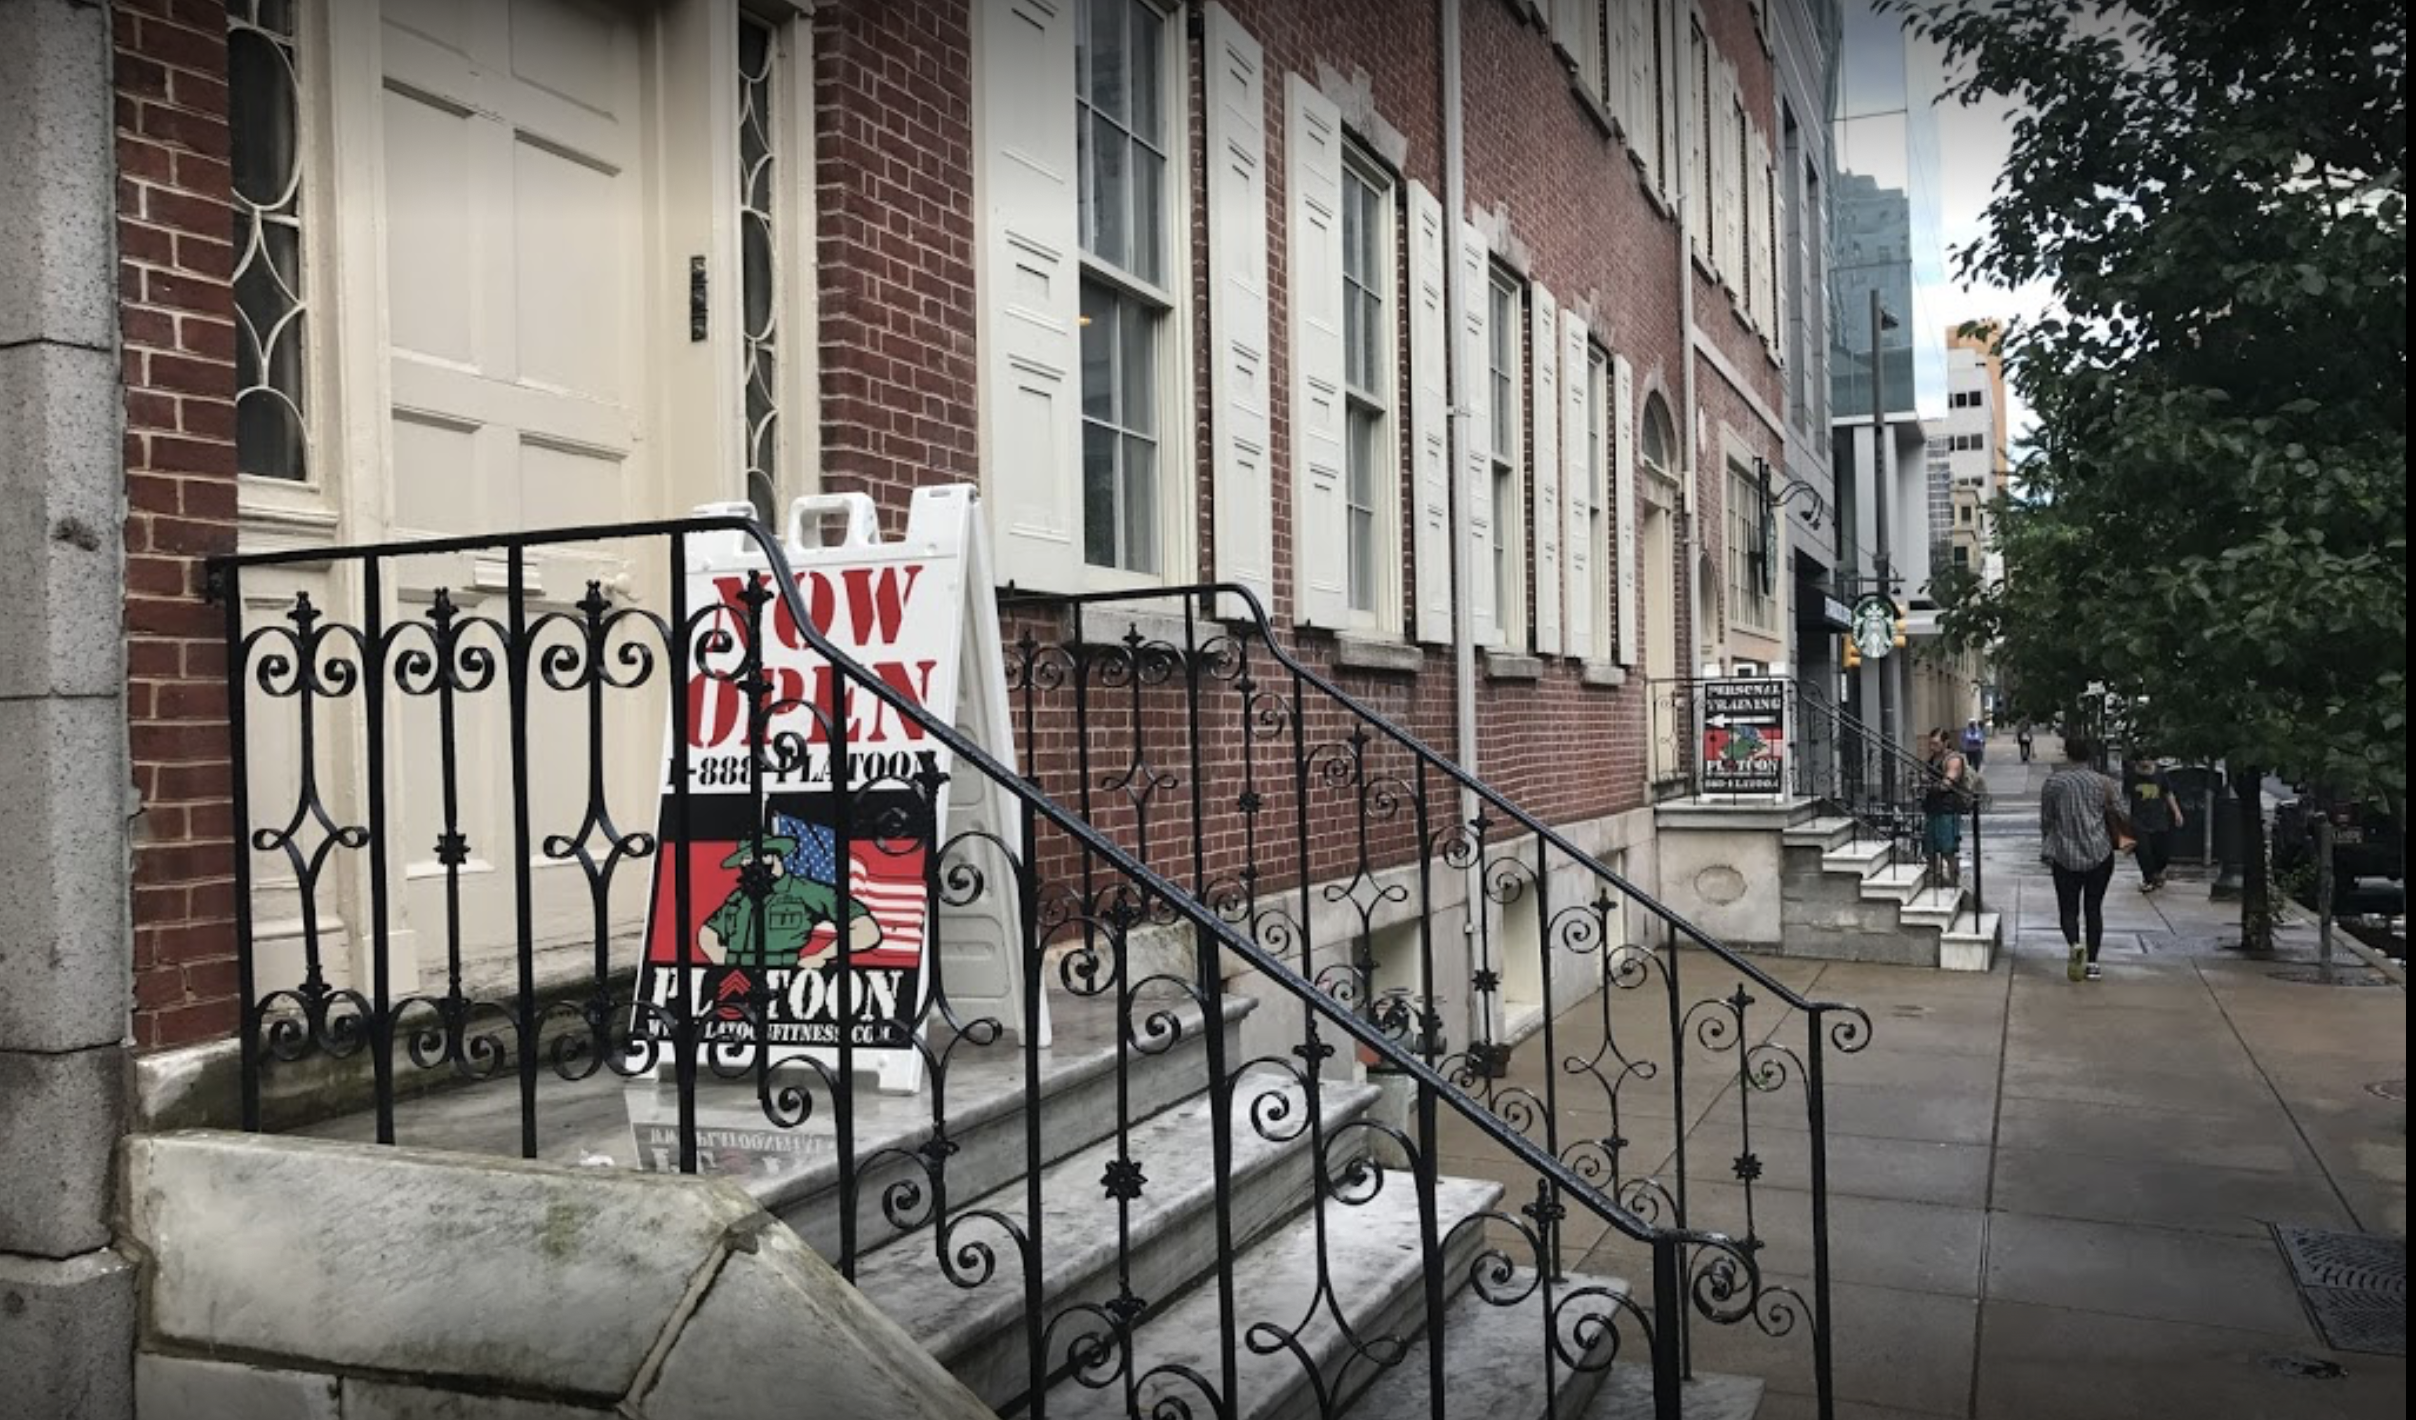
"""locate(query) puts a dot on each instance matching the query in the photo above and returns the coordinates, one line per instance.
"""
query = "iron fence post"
(1669, 1311)
(1979, 868)
(373, 688)
(1816, 1109)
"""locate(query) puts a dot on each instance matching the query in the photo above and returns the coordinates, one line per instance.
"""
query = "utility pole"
(1881, 450)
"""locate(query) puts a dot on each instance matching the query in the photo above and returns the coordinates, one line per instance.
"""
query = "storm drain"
(2354, 1285)
(2341, 976)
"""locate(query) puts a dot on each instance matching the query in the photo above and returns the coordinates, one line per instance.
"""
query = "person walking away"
(1975, 743)
(2022, 738)
(1943, 804)
(2155, 817)
(2081, 827)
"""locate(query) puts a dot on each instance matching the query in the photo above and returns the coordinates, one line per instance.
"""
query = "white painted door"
(513, 138)
(1671, 713)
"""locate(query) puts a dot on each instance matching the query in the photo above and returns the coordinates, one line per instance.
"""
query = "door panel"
(514, 197)
(1658, 579)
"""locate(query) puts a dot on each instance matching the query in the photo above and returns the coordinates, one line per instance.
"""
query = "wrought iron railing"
(1887, 791)
(1200, 815)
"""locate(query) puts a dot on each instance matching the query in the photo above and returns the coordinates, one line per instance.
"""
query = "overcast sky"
(1971, 152)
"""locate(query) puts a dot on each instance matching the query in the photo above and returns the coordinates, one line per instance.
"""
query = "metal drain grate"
(2355, 1286)
(2360, 1321)
(2341, 976)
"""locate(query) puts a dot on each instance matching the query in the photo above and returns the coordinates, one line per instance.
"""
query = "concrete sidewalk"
(2053, 1200)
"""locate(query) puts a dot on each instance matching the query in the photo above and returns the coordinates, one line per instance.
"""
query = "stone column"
(67, 1300)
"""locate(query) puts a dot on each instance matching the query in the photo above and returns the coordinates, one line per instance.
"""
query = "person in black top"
(2155, 817)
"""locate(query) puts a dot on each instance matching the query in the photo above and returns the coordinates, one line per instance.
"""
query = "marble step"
(1899, 884)
(1971, 943)
(1823, 833)
(1856, 856)
(1932, 907)
(987, 1106)
(1628, 1395)
(1371, 1279)
(1494, 1351)
(978, 1332)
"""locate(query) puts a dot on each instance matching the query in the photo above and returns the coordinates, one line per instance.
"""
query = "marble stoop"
(1841, 899)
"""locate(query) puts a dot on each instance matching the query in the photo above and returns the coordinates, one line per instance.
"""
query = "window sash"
(1121, 464)
(1366, 282)
(1123, 116)
(1120, 136)
(1600, 483)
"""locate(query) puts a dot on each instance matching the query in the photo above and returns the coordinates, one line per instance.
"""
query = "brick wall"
(893, 94)
(177, 322)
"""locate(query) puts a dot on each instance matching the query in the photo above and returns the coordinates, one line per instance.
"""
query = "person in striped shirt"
(2079, 850)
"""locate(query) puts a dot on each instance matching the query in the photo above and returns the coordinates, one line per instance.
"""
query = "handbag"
(2118, 826)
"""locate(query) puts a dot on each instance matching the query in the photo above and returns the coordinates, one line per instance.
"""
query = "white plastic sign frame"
(916, 612)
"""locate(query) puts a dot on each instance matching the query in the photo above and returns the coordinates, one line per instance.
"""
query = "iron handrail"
(1451, 770)
(1200, 917)
(1848, 720)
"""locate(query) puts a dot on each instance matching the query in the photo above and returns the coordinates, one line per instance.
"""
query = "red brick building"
(1171, 283)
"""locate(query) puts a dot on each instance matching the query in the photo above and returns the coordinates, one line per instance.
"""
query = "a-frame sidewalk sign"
(918, 612)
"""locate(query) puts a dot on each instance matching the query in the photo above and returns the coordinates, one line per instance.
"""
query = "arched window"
(1660, 438)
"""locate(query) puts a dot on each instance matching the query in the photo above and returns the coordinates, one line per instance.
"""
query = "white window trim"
(1384, 619)
(1178, 471)
(288, 511)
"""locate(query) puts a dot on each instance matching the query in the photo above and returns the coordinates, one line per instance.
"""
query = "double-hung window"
(1507, 332)
(1370, 490)
(1122, 122)
(1599, 483)
(1750, 573)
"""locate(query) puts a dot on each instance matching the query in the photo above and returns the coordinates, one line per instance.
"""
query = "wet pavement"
(2056, 1199)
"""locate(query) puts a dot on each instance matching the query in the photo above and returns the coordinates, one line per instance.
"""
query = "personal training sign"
(1745, 737)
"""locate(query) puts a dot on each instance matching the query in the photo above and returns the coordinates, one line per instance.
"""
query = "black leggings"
(2083, 890)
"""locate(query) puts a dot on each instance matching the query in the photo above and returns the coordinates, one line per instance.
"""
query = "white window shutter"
(1320, 413)
(1693, 185)
(1543, 350)
(1476, 491)
(1764, 249)
(1732, 185)
(1623, 500)
(1430, 411)
(1030, 279)
(1237, 314)
(1578, 490)
(1633, 26)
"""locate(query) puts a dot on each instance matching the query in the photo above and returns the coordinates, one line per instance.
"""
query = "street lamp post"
(1881, 451)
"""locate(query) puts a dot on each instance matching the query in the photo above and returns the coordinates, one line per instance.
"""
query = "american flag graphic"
(889, 884)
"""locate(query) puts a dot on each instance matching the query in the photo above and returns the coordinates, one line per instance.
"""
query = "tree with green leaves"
(2211, 512)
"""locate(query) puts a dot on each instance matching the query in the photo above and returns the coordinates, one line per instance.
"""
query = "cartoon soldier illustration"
(792, 908)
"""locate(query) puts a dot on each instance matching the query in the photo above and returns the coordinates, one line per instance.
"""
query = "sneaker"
(2147, 885)
(2078, 966)
(2095, 972)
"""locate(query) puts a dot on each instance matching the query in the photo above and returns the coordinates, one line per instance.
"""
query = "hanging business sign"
(1745, 736)
(802, 921)
(1873, 626)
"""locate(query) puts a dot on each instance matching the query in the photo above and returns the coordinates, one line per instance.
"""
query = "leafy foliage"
(2212, 511)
